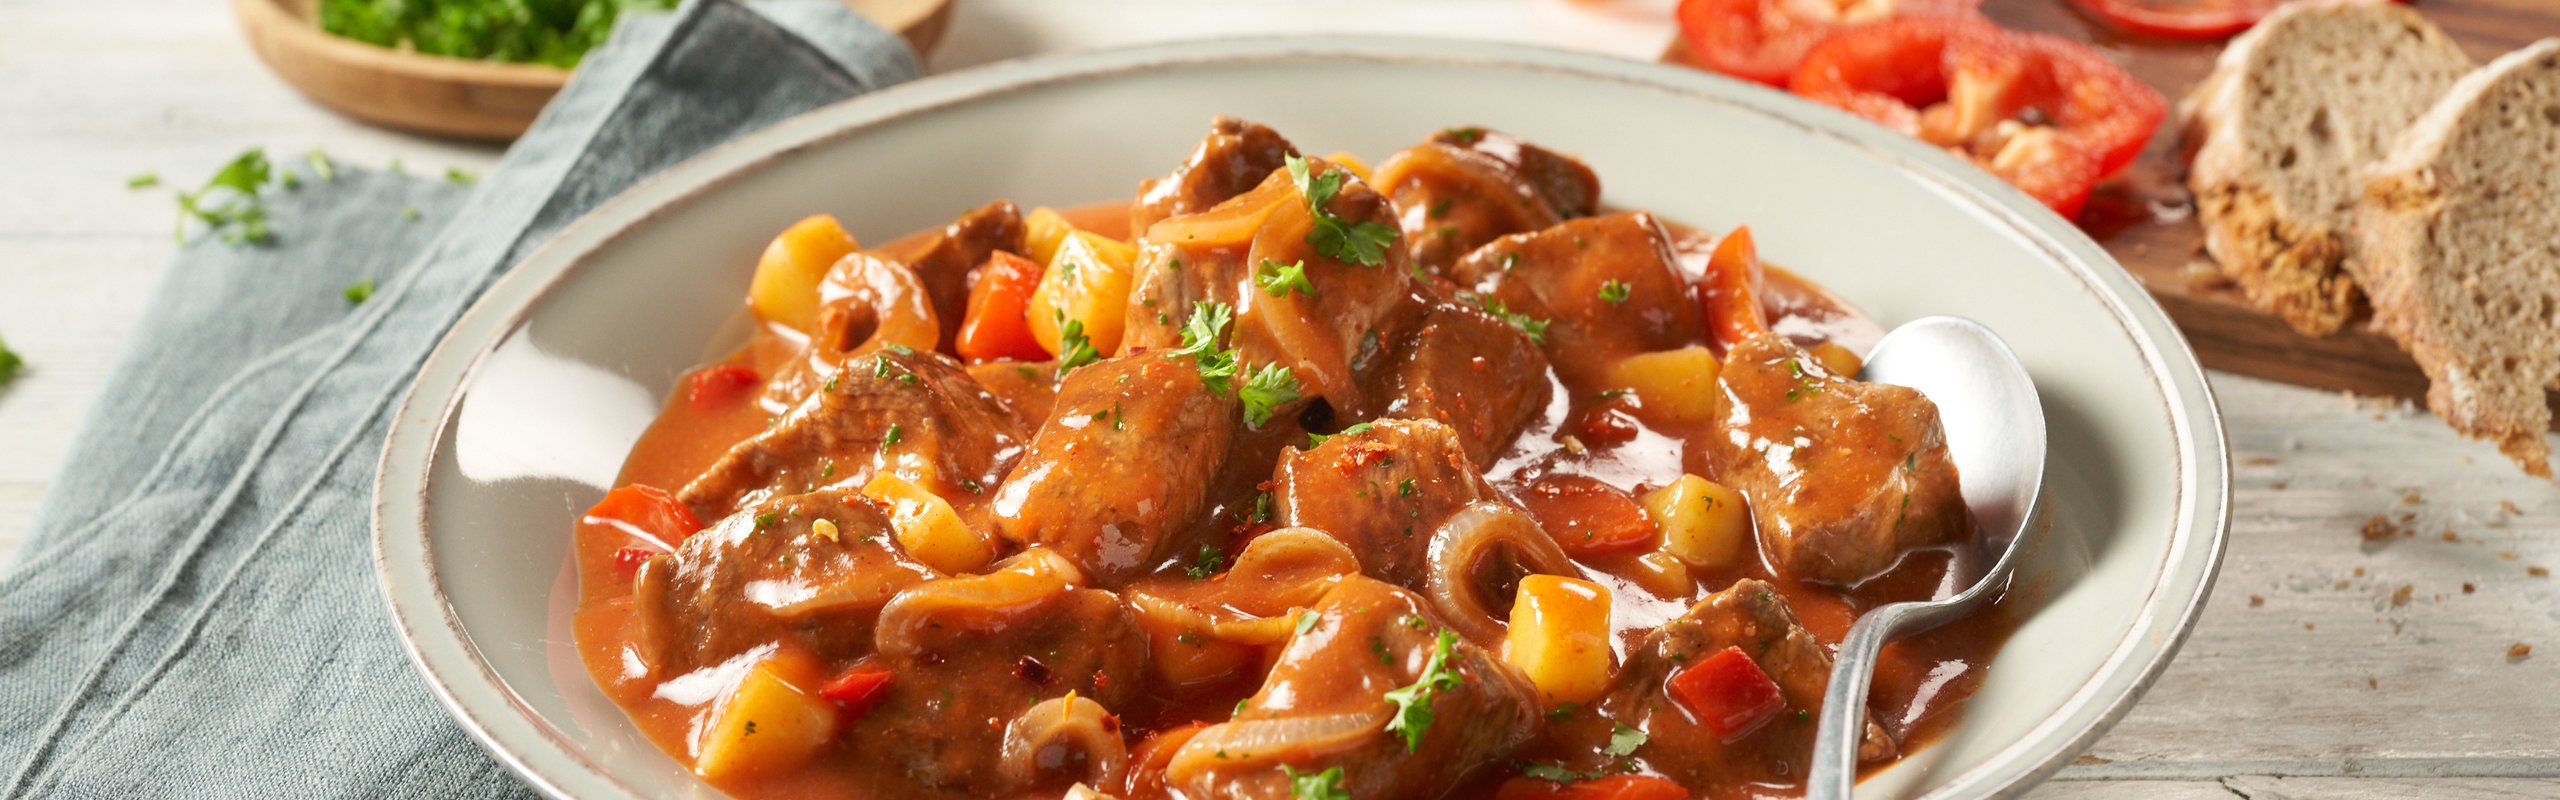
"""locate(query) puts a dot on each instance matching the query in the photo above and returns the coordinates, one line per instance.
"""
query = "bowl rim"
(464, 684)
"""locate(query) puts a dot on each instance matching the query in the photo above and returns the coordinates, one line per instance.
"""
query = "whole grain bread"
(2291, 112)
(2458, 233)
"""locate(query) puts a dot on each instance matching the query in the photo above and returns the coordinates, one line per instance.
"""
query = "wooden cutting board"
(2146, 219)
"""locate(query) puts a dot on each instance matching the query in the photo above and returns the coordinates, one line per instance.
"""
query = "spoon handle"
(1844, 704)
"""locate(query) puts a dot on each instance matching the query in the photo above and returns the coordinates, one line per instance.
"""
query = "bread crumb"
(2257, 600)
(2260, 461)
(2359, 572)
(2378, 528)
(2344, 583)
(2449, 536)
(2372, 683)
(2411, 498)
(2400, 596)
(2092, 760)
(2538, 572)
(2310, 627)
(2517, 651)
(2467, 588)
(2506, 555)
(2278, 485)
(2509, 506)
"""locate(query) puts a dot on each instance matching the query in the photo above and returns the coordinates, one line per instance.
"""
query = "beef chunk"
(970, 653)
(1468, 186)
(770, 573)
(1381, 491)
(949, 434)
(1750, 615)
(1324, 705)
(1842, 476)
(944, 261)
(1567, 276)
(1027, 389)
(1332, 329)
(1477, 374)
(1123, 466)
(1235, 157)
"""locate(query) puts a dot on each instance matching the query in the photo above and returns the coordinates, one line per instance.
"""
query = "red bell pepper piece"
(2049, 115)
(1764, 40)
(715, 387)
(996, 325)
(857, 690)
(646, 512)
(1728, 693)
(1586, 516)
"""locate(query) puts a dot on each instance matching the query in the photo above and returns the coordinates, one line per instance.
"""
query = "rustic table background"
(2327, 665)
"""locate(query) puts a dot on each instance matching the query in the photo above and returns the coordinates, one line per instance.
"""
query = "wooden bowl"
(456, 96)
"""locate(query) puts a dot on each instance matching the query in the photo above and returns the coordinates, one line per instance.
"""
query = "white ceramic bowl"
(522, 416)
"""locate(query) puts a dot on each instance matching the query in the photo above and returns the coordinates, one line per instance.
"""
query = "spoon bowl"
(1994, 427)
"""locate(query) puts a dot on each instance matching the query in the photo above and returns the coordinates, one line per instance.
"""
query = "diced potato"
(1703, 523)
(1839, 360)
(1352, 163)
(1676, 386)
(1559, 637)
(1042, 230)
(785, 287)
(1663, 574)
(771, 721)
(1087, 281)
(928, 529)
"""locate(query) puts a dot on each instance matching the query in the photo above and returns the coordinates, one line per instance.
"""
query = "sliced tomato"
(715, 387)
(1614, 787)
(1729, 693)
(2184, 19)
(647, 512)
(857, 690)
(1729, 292)
(1764, 40)
(2046, 114)
(1586, 516)
(999, 297)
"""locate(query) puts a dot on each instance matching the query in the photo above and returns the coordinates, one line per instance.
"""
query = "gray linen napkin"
(195, 614)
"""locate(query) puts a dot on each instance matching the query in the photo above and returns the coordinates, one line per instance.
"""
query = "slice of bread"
(2293, 109)
(2458, 238)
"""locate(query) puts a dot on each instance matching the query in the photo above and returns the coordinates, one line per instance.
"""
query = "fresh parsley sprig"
(1264, 390)
(1326, 785)
(1271, 387)
(1075, 349)
(1413, 703)
(1363, 243)
(1536, 328)
(1278, 280)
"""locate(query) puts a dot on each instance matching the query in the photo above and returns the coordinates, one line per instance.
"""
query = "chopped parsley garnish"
(1262, 507)
(1614, 291)
(1534, 327)
(895, 435)
(320, 165)
(230, 204)
(1413, 703)
(1307, 622)
(1404, 488)
(1315, 440)
(1554, 772)
(461, 176)
(1623, 741)
(1466, 135)
(1074, 348)
(359, 291)
(143, 181)
(765, 520)
(1207, 563)
(1270, 388)
(1278, 280)
(1806, 385)
(409, 212)
(10, 363)
(1363, 243)
(1326, 785)
(899, 349)
(553, 32)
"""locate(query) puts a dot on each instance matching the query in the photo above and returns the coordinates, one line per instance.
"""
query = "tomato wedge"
(1764, 40)
(647, 512)
(1586, 516)
(1729, 293)
(2048, 115)
(999, 296)
(2183, 19)
(1729, 693)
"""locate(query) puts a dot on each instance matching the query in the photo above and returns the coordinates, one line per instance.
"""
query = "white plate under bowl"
(524, 413)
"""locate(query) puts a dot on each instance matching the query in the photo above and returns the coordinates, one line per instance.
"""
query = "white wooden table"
(2309, 675)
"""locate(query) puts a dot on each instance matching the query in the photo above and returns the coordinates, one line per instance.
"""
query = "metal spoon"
(1995, 433)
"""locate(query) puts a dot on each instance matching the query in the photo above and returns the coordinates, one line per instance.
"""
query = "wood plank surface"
(2293, 685)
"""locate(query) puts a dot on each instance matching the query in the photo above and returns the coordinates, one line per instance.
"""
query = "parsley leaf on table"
(10, 363)
(230, 204)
